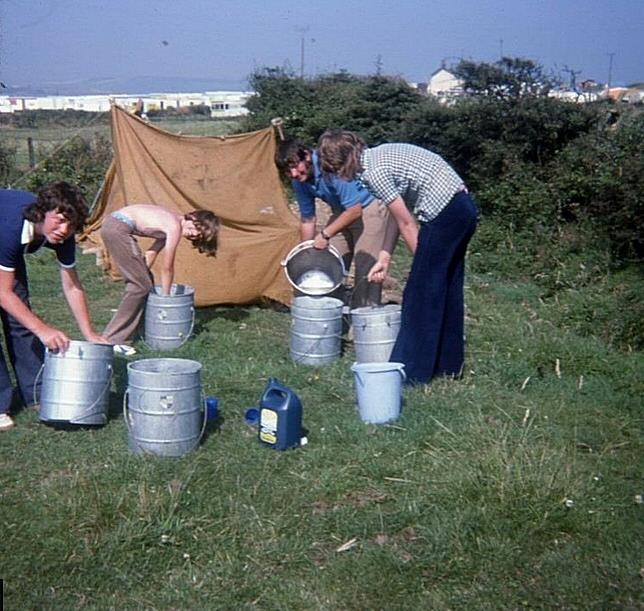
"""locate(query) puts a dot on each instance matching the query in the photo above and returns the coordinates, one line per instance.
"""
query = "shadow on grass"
(233, 313)
(213, 427)
(119, 380)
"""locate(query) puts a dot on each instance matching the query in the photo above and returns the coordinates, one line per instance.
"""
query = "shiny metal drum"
(169, 319)
(164, 406)
(76, 384)
(375, 329)
(316, 330)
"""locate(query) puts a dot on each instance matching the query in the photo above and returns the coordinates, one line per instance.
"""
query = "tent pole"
(277, 123)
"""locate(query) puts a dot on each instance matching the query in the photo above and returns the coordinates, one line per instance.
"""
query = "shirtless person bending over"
(119, 231)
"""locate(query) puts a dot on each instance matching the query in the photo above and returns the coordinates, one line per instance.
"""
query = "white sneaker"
(6, 422)
(124, 350)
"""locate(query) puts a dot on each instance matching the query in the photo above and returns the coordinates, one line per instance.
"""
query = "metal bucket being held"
(316, 330)
(76, 384)
(169, 319)
(164, 407)
(375, 329)
(312, 271)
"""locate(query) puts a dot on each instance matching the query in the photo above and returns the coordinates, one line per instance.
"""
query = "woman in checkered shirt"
(436, 217)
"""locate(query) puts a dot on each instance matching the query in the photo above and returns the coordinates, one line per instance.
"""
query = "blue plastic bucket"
(378, 390)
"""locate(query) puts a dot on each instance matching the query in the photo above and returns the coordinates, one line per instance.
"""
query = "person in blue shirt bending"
(28, 222)
(358, 222)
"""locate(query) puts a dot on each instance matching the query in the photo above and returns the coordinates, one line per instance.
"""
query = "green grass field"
(518, 486)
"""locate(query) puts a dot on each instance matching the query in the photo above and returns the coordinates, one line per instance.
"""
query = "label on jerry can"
(268, 426)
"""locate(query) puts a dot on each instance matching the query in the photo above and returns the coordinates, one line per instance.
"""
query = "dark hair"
(340, 152)
(60, 197)
(207, 223)
(288, 153)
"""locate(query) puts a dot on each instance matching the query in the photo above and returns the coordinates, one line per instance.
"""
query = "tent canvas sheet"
(234, 176)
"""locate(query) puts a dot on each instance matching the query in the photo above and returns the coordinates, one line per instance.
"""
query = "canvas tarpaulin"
(234, 176)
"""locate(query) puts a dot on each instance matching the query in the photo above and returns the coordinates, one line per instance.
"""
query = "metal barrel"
(169, 319)
(316, 330)
(375, 329)
(163, 406)
(76, 384)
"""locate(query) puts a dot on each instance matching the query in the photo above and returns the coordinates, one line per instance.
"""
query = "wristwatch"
(325, 235)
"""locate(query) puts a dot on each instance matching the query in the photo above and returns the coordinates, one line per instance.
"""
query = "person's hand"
(378, 271)
(320, 242)
(96, 338)
(54, 339)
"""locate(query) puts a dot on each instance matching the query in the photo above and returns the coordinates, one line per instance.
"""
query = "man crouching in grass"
(27, 223)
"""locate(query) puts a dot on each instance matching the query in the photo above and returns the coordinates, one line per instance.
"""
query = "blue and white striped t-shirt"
(424, 180)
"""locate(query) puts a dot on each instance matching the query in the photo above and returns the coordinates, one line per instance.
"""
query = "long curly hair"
(207, 223)
(61, 197)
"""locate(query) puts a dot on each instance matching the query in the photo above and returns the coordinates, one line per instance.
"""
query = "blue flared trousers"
(430, 342)
(26, 352)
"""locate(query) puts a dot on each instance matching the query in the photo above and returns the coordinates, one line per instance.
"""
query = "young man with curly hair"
(28, 222)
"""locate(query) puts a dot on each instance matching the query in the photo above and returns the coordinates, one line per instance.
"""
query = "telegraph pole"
(610, 69)
(302, 32)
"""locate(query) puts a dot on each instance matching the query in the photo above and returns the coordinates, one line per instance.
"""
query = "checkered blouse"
(424, 180)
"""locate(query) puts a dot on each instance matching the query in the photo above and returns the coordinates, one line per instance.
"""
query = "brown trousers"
(126, 253)
(361, 242)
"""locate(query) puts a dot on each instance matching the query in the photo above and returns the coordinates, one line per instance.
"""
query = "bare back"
(153, 221)
(166, 229)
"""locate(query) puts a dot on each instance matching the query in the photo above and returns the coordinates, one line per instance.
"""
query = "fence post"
(32, 156)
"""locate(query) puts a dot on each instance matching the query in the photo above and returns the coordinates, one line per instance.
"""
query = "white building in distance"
(444, 85)
(221, 103)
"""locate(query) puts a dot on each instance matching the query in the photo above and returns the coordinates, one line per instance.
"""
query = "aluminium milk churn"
(280, 416)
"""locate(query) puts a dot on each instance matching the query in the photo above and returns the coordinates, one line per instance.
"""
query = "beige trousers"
(126, 253)
(360, 243)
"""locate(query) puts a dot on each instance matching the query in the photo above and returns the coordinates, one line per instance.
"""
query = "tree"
(375, 106)
(510, 78)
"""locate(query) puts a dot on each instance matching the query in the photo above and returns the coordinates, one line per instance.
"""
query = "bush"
(80, 161)
(484, 138)
(8, 170)
(374, 106)
(596, 179)
(601, 176)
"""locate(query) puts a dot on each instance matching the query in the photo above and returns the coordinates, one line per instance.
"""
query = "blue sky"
(44, 41)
